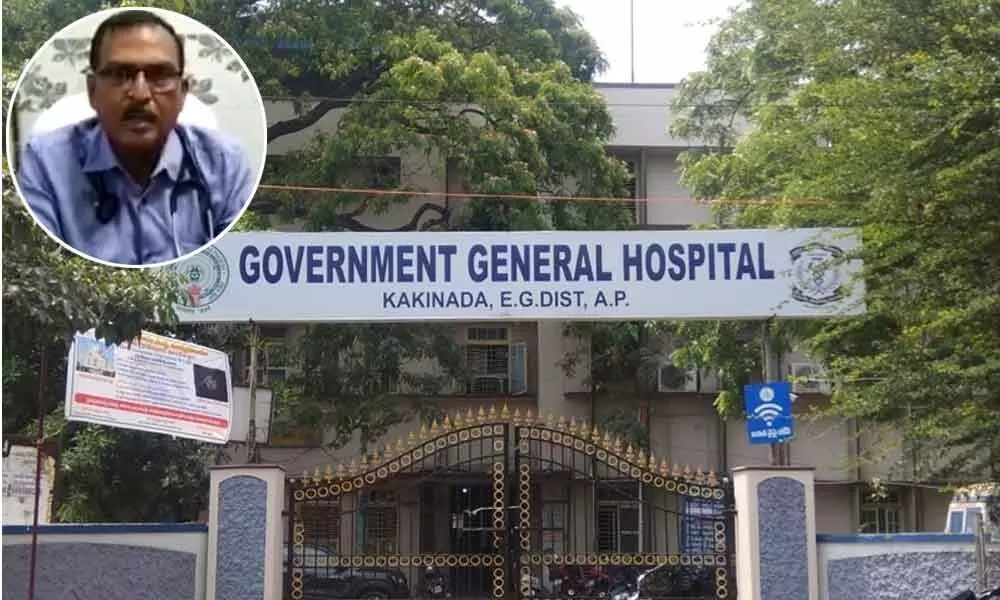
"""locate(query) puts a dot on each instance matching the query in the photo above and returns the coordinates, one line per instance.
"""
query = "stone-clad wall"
(109, 562)
(903, 566)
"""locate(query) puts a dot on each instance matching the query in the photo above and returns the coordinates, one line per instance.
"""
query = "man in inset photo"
(132, 186)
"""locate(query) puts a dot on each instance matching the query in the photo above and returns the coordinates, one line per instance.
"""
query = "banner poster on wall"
(523, 276)
(19, 486)
(155, 383)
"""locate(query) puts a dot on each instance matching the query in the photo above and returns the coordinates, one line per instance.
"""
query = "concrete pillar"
(550, 373)
(245, 533)
(776, 533)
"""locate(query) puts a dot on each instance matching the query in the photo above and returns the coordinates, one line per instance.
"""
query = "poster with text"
(19, 487)
(156, 384)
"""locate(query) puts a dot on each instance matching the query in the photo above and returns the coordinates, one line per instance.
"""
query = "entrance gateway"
(505, 504)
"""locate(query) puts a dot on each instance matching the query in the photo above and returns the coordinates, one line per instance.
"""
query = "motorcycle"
(987, 595)
(434, 586)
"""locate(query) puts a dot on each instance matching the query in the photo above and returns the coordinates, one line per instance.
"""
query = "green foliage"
(397, 69)
(49, 294)
(626, 426)
(880, 115)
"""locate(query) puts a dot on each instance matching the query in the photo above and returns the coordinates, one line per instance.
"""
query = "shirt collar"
(100, 157)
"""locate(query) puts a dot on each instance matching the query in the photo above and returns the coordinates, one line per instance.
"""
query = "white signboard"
(525, 275)
(241, 415)
(156, 384)
(19, 487)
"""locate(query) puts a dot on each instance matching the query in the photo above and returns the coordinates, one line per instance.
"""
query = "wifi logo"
(767, 410)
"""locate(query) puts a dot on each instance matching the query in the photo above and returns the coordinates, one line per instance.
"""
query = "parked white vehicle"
(974, 504)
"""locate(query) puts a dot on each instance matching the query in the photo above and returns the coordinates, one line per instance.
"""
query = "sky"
(670, 35)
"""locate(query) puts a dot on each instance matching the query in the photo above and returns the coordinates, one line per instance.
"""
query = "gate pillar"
(776, 533)
(245, 533)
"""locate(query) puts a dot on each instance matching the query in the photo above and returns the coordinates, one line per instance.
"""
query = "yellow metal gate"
(509, 505)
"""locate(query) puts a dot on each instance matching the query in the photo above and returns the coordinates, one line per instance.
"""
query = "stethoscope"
(106, 204)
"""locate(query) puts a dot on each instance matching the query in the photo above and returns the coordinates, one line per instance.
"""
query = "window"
(618, 527)
(272, 362)
(698, 525)
(553, 528)
(618, 517)
(321, 524)
(379, 519)
(880, 511)
(496, 366)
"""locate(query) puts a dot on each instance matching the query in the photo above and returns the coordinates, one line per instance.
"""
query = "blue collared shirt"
(54, 178)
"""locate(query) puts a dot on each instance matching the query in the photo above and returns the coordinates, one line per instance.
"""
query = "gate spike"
(606, 442)
(470, 416)
(341, 471)
(572, 425)
(446, 424)
(529, 417)
(364, 463)
(641, 458)
(629, 453)
(328, 474)
(664, 468)
(493, 413)
(317, 477)
(376, 459)
(423, 431)
(411, 439)
(504, 412)
(482, 414)
(434, 428)
(687, 471)
(550, 420)
(652, 461)
(305, 476)
(458, 419)
(699, 476)
(677, 470)
(713, 479)
(517, 415)
(562, 423)
(618, 445)
(352, 468)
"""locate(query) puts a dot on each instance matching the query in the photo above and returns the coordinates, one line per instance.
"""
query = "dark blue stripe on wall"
(895, 538)
(76, 529)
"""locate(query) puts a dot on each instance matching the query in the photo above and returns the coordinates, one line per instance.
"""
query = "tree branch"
(341, 93)
(304, 121)
(350, 223)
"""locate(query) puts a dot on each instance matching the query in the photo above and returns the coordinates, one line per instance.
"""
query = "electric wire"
(468, 196)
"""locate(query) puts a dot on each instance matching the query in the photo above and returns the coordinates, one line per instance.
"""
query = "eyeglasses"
(159, 78)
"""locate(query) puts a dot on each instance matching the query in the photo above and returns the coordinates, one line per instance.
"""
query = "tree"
(880, 115)
(500, 89)
(49, 294)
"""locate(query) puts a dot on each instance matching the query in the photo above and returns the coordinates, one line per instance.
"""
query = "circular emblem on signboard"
(817, 279)
(204, 278)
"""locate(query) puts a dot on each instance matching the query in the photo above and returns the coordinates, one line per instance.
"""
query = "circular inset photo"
(137, 136)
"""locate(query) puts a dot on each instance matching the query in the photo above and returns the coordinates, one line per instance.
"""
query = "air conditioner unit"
(671, 378)
(808, 378)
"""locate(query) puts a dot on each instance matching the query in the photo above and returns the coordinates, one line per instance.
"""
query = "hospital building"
(517, 367)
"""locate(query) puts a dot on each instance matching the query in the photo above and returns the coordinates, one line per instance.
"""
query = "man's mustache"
(138, 113)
